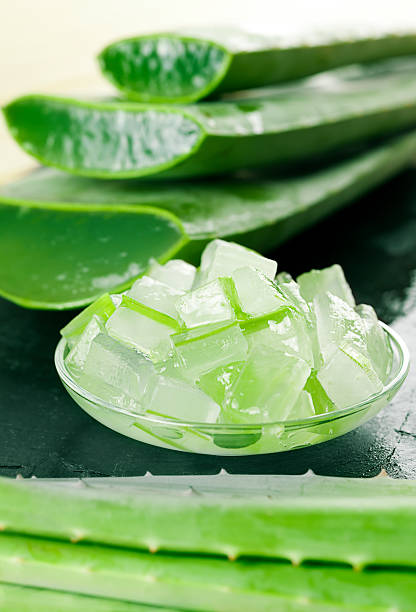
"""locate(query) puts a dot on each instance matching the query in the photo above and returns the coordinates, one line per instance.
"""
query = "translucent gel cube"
(222, 258)
(172, 398)
(156, 295)
(210, 303)
(218, 381)
(142, 328)
(202, 349)
(267, 387)
(348, 377)
(320, 399)
(291, 291)
(284, 330)
(303, 408)
(116, 373)
(257, 294)
(378, 345)
(176, 273)
(336, 323)
(103, 307)
(330, 280)
(77, 356)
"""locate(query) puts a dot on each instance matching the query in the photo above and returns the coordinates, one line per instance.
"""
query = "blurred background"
(49, 46)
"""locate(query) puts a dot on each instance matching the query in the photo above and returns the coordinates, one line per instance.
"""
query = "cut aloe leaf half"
(50, 209)
(190, 65)
(287, 127)
(67, 255)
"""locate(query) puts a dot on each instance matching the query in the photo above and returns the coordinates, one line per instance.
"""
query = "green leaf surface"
(15, 598)
(70, 239)
(295, 518)
(66, 255)
(292, 125)
(201, 583)
(185, 67)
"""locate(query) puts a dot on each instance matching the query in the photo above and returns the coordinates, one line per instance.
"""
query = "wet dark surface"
(44, 433)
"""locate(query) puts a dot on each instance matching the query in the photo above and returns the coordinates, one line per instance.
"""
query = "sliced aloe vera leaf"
(31, 599)
(201, 583)
(66, 255)
(258, 213)
(190, 65)
(255, 515)
(290, 126)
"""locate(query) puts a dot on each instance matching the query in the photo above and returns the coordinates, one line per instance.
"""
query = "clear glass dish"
(253, 439)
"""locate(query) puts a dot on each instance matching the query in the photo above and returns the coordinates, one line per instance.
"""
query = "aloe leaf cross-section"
(188, 66)
(286, 127)
(66, 255)
(78, 231)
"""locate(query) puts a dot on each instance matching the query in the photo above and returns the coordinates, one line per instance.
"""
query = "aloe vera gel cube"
(337, 323)
(378, 345)
(177, 399)
(330, 280)
(176, 273)
(257, 294)
(217, 382)
(103, 308)
(267, 387)
(142, 328)
(206, 348)
(283, 330)
(210, 303)
(221, 258)
(303, 407)
(156, 295)
(348, 377)
(77, 356)
(116, 373)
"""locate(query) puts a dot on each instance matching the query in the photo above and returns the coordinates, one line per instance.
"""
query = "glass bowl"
(252, 439)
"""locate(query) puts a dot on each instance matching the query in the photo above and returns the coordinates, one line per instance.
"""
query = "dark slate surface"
(44, 433)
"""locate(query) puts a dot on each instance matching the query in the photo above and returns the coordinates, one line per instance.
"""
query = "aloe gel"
(229, 343)
(116, 373)
(328, 280)
(176, 399)
(378, 346)
(202, 349)
(156, 295)
(221, 258)
(257, 294)
(267, 387)
(142, 328)
(176, 273)
(210, 303)
(77, 357)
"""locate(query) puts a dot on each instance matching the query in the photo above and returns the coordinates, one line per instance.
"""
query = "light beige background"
(50, 45)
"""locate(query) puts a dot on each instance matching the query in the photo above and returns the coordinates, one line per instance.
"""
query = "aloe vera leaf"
(293, 125)
(198, 583)
(66, 255)
(187, 66)
(269, 516)
(259, 213)
(15, 598)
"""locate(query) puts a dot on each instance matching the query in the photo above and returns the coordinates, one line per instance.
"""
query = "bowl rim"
(398, 346)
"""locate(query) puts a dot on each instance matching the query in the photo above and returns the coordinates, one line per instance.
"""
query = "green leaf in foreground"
(201, 583)
(188, 66)
(66, 255)
(15, 598)
(68, 240)
(292, 125)
(295, 518)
